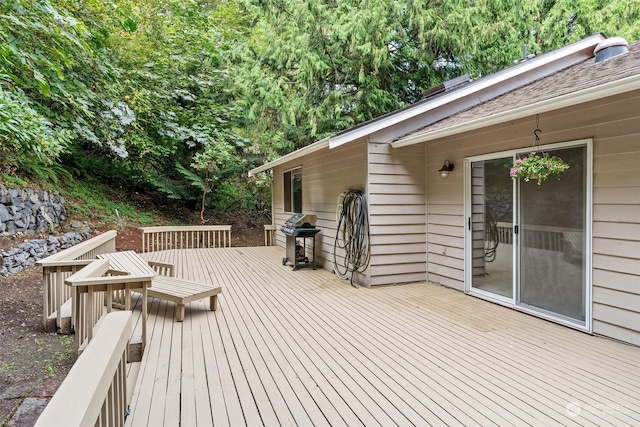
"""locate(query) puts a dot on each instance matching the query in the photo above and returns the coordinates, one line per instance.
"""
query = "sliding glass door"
(527, 244)
(552, 240)
(491, 225)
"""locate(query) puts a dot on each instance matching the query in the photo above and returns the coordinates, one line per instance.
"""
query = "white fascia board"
(581, 50)
(627, 84)
(316, 146)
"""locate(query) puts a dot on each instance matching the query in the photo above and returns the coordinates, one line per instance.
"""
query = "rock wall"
(29, 211)
(29, 252)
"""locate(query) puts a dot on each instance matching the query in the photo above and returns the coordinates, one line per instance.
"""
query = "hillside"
(33, 363)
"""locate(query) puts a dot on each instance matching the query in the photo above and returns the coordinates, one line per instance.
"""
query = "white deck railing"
(185, 237)
(537, 236)
(94, 393)
(58, 267)
(97, 288)
(270, 234)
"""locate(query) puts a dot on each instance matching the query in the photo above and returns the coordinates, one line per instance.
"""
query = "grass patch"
(97, 202)
(5, 367)
(13, 181)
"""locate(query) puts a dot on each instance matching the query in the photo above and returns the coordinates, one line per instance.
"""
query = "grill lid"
(301, 220)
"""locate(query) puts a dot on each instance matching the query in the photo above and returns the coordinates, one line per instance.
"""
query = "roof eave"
(585, 46)
(627, 84)
(316, 146)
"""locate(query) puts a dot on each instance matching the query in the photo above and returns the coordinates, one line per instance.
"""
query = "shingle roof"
(584, 75)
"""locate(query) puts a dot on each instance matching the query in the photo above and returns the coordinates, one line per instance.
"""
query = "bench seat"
(182, 292)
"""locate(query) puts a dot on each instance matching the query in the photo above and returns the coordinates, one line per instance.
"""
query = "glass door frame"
(588, 252)
(468, 235)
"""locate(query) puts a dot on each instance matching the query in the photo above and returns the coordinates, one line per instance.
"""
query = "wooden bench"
(165, 285)
(94, 287)
(180, 291)
(183, 292)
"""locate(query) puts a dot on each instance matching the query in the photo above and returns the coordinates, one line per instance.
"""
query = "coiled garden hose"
(352, 235)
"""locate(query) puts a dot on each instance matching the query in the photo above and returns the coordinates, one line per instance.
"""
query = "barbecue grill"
(298, 228)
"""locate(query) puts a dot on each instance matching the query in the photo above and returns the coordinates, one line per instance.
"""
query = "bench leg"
(213, 302)
(179, 312)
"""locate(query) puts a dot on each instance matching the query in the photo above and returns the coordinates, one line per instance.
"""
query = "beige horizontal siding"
(448, 250)
(393, 239)
(445, 221)
(616, 298)
(617, 332)
(397, 214)
(446, 230)
(619, 281)
(407, 219)
(325, 175)
(620, 248)
(616, 227)
(614, 230)
(448, 241)
(614, 126)
(404, 248)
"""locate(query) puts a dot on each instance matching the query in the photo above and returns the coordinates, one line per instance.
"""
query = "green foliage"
(13, 181)
(184, 97)
(567, 21)
(238, 196)
(90, 199)
(26, 137)
(50, 78)
(537, 166)
(311, 69)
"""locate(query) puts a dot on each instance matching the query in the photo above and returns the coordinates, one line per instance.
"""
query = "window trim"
(290, 200)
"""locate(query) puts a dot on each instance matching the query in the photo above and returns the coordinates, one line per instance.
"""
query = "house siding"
(614, 125)
(616, 226)
(445, 220)
(397, 214)
(325, 175)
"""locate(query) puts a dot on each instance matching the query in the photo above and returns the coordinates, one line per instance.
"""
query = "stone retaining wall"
(23, 210)
(29, 252)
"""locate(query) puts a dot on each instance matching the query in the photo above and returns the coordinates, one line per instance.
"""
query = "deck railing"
(96, 289)
(94, 392)
(537, 236)
(58, 267)
(185, 237)
(270, 234)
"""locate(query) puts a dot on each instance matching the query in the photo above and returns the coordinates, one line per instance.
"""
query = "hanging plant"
(539, 166)
(536, 166)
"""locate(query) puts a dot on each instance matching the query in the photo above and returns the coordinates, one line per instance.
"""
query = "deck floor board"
(305, 348)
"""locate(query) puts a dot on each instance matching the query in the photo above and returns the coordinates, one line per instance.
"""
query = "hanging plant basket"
(538, 166)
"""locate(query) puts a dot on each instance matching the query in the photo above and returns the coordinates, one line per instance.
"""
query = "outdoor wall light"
(446, 168)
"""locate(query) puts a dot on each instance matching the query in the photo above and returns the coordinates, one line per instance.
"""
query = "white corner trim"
(627, 84)
(316, 146)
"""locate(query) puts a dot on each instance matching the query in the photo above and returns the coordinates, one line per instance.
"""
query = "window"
(293, 191)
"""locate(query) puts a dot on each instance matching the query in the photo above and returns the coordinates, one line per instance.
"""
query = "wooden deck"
(305, 348)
